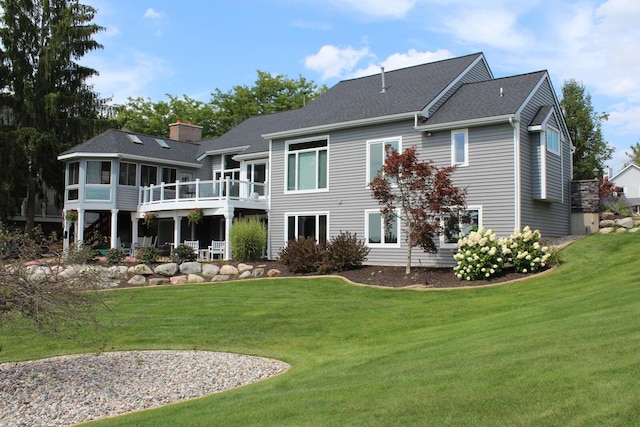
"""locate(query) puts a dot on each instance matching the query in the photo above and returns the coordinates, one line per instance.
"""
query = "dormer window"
(553, 140)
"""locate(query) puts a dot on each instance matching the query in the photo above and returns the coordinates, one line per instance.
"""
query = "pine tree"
(585, 129)
(47, 105)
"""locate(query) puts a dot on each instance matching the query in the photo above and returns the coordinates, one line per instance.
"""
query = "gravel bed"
(67, 390)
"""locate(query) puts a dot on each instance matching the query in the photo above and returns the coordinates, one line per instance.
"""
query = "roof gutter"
(222, 151)
(338, 126)
(141, 159)
(483, 121)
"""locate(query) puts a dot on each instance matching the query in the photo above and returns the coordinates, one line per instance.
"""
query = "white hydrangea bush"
(481, 254)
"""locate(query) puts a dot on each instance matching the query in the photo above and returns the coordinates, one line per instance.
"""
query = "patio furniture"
(193, 244)
(217, 248)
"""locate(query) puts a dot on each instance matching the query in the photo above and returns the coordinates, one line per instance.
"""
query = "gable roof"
(497, 98)
(119, 143)
(630, 166)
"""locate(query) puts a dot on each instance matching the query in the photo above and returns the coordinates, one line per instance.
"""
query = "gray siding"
(127, 198)
(551, 218)
(489, 179)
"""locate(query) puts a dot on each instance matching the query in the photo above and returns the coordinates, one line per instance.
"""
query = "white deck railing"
(193, 191)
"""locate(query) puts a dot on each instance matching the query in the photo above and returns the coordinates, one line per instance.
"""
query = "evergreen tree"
(47, 105)
(585, 129)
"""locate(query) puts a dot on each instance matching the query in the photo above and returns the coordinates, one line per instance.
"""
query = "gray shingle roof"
(482, 99)
(117, 141)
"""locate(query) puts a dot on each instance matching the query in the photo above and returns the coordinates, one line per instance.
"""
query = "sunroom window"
(307, 167)
(98, 172)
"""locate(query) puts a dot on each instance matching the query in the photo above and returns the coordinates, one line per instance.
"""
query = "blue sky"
(191, 47)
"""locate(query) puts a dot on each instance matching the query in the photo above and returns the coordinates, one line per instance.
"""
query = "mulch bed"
(395, 277)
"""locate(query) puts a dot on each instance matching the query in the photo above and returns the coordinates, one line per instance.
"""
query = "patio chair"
(193, 244)
(217, 248)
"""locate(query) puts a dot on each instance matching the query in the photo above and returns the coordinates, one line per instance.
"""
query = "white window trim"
(368, 155)
(466, 147)
(297, 214)
(445, 245)
(286, 164)
(556, 152)
(382, 245)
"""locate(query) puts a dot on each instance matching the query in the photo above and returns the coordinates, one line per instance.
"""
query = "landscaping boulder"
(190, 267)
(625, 222)
(245, 274)
(143, 269)
(169, 269)
(220, 278)
(607, 223)
(258, 272)
(244, 267)
(157, 281)
(137, 280)
(228, 270)
(210, 270)
(606, 230)
(274, 272)
(194, 278)
(178, 280)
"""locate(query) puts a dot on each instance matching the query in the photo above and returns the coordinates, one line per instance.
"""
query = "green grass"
(559, 349)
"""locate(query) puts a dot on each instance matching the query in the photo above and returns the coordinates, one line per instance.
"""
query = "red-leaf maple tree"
(419, 194)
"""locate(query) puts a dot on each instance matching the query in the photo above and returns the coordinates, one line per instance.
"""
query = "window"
(148, 175)
(98, 172)
(169, 175)
(380, 232)
(307, 225)
(553, 140)
(460, 147)
(377, 154)
(257, 176)
(74, 173)
(307, 165)
(459, 224)
(127, 174)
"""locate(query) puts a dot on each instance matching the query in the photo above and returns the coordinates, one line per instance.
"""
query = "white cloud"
(310, 25)
(332, 61)
(492, 27)
(393, 9)
(152, 14)
(129, 75)
(402, 60)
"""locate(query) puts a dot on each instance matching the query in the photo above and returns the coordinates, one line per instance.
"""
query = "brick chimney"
(186, 132)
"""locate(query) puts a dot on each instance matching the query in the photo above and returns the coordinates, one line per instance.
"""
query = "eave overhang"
(483, 121)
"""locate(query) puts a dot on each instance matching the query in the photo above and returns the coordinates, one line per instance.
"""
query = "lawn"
(558, 349)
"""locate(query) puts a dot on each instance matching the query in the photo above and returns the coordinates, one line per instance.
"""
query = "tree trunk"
(31, 205)
(407, 269)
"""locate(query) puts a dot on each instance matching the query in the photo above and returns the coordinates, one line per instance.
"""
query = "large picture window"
(98, 172)
(460, 147)
(377, 154)
(127, 175)
(460, 224)
(312, 225)
(307, 167)
(381, 232)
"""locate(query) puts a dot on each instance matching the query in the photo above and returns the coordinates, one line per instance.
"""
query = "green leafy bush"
(115, 256)
(303, 255)
(344, 252)
(183, 253)
(80, 253)
(147, 255)
(248, 239)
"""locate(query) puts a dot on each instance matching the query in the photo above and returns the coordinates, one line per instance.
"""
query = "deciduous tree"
(419, 194)
(634, 155)
(585, 129)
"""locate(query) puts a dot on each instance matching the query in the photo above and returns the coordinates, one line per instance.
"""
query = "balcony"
(203, 194)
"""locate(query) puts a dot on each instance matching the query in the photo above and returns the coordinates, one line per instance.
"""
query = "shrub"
(344, 252)
(115, 256)
(248, 239)
(183, 253)
(147, 255)
(618, 206)
(302, 255)
(479, 255)
(80, 253)
(524, 252)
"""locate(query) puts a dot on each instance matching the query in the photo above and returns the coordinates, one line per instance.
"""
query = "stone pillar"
(585, 206)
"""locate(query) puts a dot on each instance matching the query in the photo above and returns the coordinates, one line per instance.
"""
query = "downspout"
(516, 170)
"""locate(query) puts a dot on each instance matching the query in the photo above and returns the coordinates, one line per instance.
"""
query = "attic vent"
(162, 143)
(134, 138)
